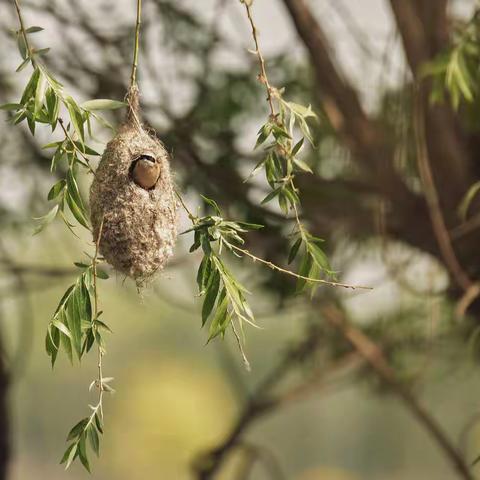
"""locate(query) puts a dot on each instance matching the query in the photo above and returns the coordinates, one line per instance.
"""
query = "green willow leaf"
(62, 327)
(98, 423)
(31, 87)
(34, 29)
(271, 195)
(103, 104)
(220, 318)
(93, 439)
(40, 93)
(76, 118)
(210, 296)
(77, 429)
(294, 250)
(56, 190)
(76, 210)
(302, 165)
(22, 65)
(46, 219)
(82, 452)
(22, 47)
(69, 455)
(10, 106)
(304, 271)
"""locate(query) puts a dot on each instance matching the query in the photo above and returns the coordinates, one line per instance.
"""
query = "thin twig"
(24, 32)
(191, 216)
(296, 275)
(263, 73)
(272, 265)
(90, 169)
(240, 347)
(295, 209)
(95, 314)
(133, 76)
(433, 201)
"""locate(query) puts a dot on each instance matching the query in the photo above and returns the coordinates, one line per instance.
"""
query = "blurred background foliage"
(177, 398)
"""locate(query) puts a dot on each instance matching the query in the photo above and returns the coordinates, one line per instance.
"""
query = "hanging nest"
(132, 200)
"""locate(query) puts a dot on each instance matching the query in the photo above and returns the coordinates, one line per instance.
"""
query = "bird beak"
(147, 157)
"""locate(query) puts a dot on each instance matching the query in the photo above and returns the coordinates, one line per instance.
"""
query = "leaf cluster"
(87, 431)
(73, 326)
(223, 295)
(313, 260)
(40, 104)
(282, 161)
(456, 70)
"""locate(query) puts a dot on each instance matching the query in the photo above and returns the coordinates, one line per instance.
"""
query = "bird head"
(145, 171)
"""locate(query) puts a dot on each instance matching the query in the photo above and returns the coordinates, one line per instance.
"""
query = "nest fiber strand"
(139, 226)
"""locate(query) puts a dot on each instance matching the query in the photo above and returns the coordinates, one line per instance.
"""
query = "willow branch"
(95, 315)
(261, 61)
(24, 32)
(133, 76)
(271, 265)
(69, 137)
(296, 275)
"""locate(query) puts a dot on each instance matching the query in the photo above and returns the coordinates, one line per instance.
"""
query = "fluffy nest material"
(138, 225)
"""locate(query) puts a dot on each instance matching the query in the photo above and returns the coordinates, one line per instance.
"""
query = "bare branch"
(375, 358)
(433, 201)
(263, 402)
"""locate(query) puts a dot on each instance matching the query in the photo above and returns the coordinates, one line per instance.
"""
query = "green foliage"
(223, 295)
(40, 104)
(73, 326)
(468, 198)
(87, 431)
(281, 161)
(313, 260)
(456, 70)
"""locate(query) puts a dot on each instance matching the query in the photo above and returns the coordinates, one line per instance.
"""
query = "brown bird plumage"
(145, 172)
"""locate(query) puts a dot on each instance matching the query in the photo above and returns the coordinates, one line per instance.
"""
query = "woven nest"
(137, 221)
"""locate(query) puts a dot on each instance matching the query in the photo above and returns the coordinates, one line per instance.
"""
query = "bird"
(145, 171)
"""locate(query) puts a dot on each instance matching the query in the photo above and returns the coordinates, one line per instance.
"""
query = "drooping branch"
(133, 76)
(450, 161)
